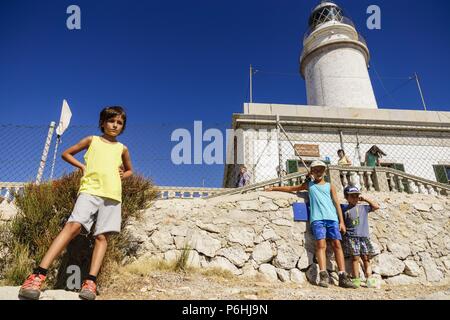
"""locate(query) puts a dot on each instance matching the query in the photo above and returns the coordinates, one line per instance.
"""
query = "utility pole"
(420, 90)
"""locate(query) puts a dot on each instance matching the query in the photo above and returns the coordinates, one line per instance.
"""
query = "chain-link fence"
(269, 152)
(198, 154)
(153, 153)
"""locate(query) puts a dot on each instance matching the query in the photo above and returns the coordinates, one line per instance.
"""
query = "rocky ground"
(196, 286)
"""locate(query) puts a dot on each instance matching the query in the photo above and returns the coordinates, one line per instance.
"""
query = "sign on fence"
(307, 150)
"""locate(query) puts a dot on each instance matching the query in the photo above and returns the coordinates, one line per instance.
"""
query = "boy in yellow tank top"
(107, 162)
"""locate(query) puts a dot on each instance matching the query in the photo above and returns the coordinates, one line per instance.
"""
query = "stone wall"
(255, 233)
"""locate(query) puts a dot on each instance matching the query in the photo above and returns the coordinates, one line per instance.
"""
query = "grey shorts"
(105, 212)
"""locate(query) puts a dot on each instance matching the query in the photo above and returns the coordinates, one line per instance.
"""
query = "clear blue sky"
(180, 61)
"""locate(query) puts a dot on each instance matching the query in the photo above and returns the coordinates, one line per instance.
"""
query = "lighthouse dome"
(326, 11)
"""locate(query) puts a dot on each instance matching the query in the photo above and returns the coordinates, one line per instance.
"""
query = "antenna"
(251, 84)
(420, 90)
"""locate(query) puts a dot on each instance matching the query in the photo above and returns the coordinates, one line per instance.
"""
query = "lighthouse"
(335, 61)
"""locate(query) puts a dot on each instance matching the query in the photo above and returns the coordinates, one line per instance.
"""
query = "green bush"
(42, 212)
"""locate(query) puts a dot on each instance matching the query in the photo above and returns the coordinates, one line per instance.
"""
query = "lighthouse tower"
(335, 60)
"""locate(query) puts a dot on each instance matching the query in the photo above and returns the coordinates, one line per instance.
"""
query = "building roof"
(346, 117)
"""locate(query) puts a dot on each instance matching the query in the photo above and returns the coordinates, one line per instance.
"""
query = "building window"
(442, 173)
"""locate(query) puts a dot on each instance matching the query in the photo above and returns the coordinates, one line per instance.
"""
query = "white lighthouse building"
(334, 61)
(341, 113)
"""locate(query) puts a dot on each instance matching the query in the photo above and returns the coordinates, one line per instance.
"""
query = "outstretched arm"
(301, 187)
(68, 155)
(127, 170)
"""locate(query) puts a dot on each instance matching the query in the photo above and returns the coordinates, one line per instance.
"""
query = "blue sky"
(179, 61)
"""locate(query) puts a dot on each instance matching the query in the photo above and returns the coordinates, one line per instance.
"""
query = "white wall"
(417, 154)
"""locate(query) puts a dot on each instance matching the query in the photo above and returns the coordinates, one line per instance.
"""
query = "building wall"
(417, 151)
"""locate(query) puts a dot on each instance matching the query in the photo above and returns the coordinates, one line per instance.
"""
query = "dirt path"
(174, 286)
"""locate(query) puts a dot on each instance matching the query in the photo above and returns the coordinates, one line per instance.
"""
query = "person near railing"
(243, 178)
(350, 177)
(326, 220)
(343, 159)
(356, 241)
(373, 156)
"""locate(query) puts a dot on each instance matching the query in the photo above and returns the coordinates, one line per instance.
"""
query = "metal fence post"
(280, 169)
(45, 152)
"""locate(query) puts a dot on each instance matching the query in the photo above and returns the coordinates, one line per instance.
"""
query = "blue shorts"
(326, 229)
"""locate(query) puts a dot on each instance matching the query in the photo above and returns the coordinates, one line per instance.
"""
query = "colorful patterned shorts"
(358, 246)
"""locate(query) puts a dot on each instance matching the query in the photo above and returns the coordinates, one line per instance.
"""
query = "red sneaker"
(88, 290)
(31, 288)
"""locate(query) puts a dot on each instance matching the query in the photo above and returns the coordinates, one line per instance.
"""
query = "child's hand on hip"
(121, 172)
(83, 169)
(342, 228)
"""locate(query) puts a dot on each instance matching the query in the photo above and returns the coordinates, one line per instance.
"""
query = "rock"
(437, 207)
(432, 273)
(225, 264)
(282, 222)
(389, 265)
(225, 205)
(268, 206)
(249, 205)
(241, 235)
(161, 204)
(257, 240)
(412, 269)
(401, 280)
(7, 211)
(401, 251)
(208, 227)
(235, 254)
(306, 259)
(300, 226)
(171, 255)
(149, 227)
(264, 199)
(12, 293)
(283, 275)
(446, 262)
(286, 258)
(269, 234)
(249, 271)
(162, 240)
(423, 207)
(263, 252)
(297, 276)
(193, 260)
(268, 271)
(312, 274)
(180, 242)
(205, 244)
(375, 269)
(282, 203)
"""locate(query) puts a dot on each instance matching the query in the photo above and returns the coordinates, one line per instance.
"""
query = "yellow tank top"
(101, 177)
